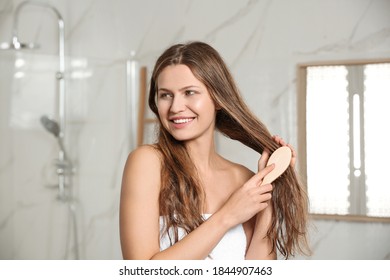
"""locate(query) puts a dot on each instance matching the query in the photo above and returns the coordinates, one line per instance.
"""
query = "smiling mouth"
(184, 120)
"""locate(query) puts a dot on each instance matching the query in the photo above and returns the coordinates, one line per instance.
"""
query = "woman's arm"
(139, 212)
(260, 246)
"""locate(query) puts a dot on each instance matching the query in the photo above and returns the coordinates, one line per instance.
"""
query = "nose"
(178, 104)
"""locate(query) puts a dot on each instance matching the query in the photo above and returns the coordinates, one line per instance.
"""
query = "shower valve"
(64, 167)
(59, 75)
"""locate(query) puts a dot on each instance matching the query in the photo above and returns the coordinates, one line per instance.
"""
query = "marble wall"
(261, 40)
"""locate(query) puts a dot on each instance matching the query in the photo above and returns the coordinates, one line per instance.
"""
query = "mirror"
(343, 124)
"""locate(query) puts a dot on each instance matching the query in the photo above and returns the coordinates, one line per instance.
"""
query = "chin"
(181, 138)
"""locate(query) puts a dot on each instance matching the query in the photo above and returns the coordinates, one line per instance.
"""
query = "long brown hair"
(182, 197)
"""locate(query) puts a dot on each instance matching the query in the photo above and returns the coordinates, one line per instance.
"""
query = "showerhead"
(53, 127)
(50, 125)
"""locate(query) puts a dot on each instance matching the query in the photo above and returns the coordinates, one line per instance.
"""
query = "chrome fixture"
(50, 125)
(16, 44)
(53, 127)
(63, 164)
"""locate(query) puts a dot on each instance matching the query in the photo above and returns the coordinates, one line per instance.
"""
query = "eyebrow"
(182, 89)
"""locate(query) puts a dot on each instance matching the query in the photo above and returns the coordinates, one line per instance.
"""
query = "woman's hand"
(279, 140)
(248, 200)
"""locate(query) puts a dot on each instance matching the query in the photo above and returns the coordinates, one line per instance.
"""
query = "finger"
(263, 206)
(293, 152)
(265, 197)
(279, 140)
(262, 193)
(293, 155)
(276, 138)
(265, 188)
(258, 177)
(263, 159)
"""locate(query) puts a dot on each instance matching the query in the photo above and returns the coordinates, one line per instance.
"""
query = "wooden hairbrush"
(281, 157)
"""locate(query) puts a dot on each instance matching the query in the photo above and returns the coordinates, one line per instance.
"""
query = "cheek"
(162, 108)
(204, 105)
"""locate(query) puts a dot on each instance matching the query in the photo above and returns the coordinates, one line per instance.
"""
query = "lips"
(184, 120)
(179, 122)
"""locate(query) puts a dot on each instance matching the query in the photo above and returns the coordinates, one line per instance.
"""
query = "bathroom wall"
(262, 41)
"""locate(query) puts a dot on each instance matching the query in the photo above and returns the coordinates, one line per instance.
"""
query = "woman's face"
(184, 104)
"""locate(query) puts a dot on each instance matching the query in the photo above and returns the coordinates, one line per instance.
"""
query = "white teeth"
(182, 120)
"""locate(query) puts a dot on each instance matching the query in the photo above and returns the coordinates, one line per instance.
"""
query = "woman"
(182, 200)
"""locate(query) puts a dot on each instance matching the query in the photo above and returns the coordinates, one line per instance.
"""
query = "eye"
(164, 95)
(190, 92)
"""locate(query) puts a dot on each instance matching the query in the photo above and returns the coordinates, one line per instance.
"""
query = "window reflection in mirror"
(344, 133)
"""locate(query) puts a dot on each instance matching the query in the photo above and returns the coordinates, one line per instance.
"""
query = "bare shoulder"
(240, 172)
(145, 153)
(143, 165)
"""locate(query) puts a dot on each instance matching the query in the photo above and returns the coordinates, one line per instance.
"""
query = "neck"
(203, 153)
